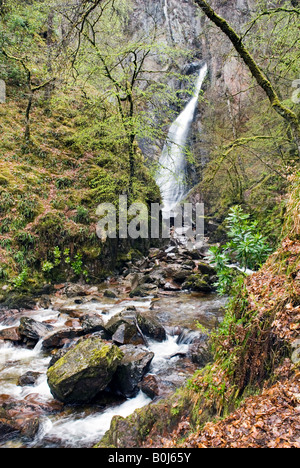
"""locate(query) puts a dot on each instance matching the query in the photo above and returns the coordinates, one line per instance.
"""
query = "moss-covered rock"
(84, 371)
(155, 419)
(198, 282)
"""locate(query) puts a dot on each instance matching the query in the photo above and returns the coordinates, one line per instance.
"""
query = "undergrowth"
(50, 188)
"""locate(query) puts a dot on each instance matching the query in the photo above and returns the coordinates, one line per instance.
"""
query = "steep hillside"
(249, 395)
(49, 192)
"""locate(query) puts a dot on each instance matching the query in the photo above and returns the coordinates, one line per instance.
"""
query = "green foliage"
(82, 215)
(77, 265)
(57, 256)
(47, 267)
(21, 279)
(247, 243)
(61, 259)
(247, 249)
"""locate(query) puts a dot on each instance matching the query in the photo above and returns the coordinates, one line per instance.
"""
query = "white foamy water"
(111, 309)
(164, 351)
(14, 362)
(75, 426)
(83, 431)
(171, 176)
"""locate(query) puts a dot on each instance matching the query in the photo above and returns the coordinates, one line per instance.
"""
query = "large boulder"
(198, 283)
(61, 338)
(150, 326)
(131, 370)
(34, 330)
(10, 334)
(127, 333)
(123, 328)
(84, 371)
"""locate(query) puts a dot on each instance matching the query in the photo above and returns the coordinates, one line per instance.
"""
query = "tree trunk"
(255, 70)
(50, 32)
(131, 160)
(27, 118)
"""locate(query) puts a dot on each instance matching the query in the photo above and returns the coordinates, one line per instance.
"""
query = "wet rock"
(10, 334)
(92, 323)
(109, 294)
(157, 277)
(61, 338)
(84, 371)
(6, 425)
(118, 319)
(189, 264)
(150, 386)
(171, 286)
(34, 330)
(28, 425)
(34, 402)
(57, 355)
(195, 254)
(75, 290)
(131, 327)
(73, 323)
(20, 420)
(44, 302)
(170, 271)
(28, 379)
(144, 290)
(186, 336)
(150, 326)
(127, 333)
(181, 275)
(18, 301)
(131, 370)
(200, 353)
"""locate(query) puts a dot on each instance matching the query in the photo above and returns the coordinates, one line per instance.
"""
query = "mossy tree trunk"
(255, 70)
(31, 90)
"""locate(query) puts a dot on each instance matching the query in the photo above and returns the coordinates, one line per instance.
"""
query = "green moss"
(130, 256)
(50, 189)
(3, 181)
(197, 282)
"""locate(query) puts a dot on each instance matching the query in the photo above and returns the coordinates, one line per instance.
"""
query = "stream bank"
(155, 305)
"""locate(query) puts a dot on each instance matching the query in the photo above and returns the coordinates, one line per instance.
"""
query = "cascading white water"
(172, 173)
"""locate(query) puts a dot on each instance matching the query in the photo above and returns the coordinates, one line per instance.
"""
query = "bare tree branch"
(255, 69)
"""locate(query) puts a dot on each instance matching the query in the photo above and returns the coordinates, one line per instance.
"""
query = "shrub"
(247, 249)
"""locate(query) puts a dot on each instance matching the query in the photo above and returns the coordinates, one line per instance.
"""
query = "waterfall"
(172, 173)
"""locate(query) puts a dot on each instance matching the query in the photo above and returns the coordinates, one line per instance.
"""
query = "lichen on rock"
(84, 371)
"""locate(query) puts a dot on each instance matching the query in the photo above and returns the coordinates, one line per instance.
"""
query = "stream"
(83, 426)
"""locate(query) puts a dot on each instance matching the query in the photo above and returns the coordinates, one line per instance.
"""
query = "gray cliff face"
(226, 74)
(179, 20)
(183, 24)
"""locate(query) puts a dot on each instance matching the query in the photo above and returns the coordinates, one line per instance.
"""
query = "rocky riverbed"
(87, 353)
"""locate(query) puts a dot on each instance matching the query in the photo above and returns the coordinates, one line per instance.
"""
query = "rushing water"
(171, 176)
(83, 426)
